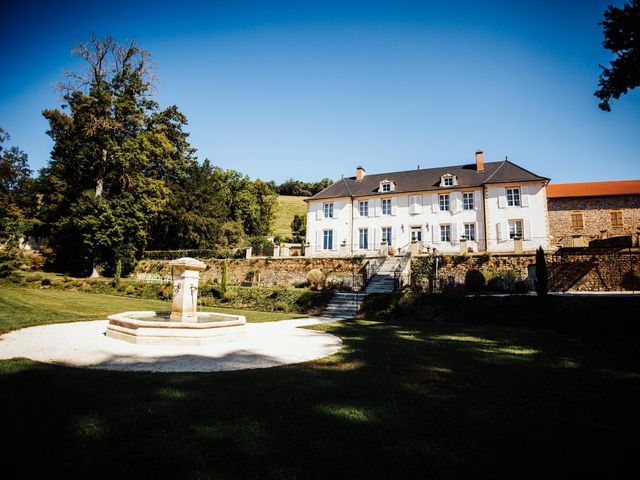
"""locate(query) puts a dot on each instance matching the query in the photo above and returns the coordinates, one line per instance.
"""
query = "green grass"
(288, 206)
(400, 400)
(23, 307)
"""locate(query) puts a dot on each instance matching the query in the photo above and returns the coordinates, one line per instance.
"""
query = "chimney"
(359, 173)
(479, 161)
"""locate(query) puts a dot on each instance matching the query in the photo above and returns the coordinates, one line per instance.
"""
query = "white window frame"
(447, 181)
(327, 233)
(445, 232)
(363, 234)
(468, 201)
(444, 199)
(387, 233)
(514, 196)
(470, 228)
(386, 202)
(513, 228)
(327, 209)
(415, 229)
(363, 208)
(386, 186)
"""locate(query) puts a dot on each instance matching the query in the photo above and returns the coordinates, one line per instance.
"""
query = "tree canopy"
(621, 28)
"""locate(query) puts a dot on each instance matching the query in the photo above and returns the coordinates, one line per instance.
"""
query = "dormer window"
(448, 180)
(386, 186)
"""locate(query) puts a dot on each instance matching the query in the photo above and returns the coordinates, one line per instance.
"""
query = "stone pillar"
(517, 245)
(248, 252)
(463, 246)
(186, 274)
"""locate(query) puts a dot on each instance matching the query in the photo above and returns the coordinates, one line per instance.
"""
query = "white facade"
(490, 215)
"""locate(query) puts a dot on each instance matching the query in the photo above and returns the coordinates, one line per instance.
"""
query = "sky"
(313, 89)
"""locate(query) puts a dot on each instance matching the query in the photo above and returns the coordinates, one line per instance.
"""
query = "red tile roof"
(593, 189)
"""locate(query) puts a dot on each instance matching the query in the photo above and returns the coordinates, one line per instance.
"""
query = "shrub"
(474, 280)
(45, 282)
(230, 295)
(210, 289)
(281, 306)
(503, 281)
(223, 281)
(315, 278)
(33, 277)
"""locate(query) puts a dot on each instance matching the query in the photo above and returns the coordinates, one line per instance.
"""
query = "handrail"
(399, 269)
(370, 269)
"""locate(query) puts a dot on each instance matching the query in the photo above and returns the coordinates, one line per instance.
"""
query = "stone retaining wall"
(265, 271)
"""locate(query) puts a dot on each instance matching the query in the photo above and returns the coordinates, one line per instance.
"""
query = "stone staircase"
(382, 281)
(343, 305)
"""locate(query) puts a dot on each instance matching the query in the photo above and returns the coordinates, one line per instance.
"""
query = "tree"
(15, 181)
(114, 155)
(622, 36)
(299, 227)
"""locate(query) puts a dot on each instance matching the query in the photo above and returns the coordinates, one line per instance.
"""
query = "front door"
(416, 234)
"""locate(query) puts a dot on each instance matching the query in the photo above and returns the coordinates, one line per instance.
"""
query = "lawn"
(288, 206)
(23, 307)
(401, 400)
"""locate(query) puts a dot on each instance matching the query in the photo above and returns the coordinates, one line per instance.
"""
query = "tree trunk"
(100, 179)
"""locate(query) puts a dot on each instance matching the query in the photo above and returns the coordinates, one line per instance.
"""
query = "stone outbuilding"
(581, 212)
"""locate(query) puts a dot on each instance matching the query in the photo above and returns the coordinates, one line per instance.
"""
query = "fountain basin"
(157, 328)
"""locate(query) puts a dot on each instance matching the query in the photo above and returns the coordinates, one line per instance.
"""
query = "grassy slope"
(288, 206)
(22, 307)
(401, 400)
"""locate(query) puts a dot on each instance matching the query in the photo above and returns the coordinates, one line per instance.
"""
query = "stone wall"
(586, 272)
(596, 215)
(265, 271)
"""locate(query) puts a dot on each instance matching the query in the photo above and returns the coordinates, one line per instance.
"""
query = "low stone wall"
(586, 272)
(265, 271)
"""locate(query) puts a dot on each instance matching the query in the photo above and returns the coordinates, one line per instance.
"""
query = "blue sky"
(312, 89)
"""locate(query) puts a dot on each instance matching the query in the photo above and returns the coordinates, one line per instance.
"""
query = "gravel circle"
(84, 344)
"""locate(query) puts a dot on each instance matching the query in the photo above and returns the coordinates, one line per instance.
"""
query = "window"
(328, 210)
(576, 220)
(444, 202)
(386, 187)
(515, 228)
(327, 243)
(386, 206)
(363, 239)
(513, 197)
(470, 231)
(386, 235)
(616, 218)
(467, 201)
(447, 182)
(445, 233)
(364, 208)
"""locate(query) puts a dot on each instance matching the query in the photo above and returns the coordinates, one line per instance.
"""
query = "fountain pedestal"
(186, 274)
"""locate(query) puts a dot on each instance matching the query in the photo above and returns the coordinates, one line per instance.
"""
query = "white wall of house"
(421, 211)
(531, 213)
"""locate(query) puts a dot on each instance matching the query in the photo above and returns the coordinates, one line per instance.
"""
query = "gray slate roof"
(429, 179)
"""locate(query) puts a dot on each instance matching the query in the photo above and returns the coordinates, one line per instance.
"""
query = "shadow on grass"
(400, 400)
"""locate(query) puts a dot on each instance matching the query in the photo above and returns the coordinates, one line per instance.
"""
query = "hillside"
(288, 206)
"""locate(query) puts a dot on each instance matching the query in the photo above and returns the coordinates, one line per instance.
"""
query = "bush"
(474, 280)
(45, 282)
(315, 278)
(503, 281)
(33, 277)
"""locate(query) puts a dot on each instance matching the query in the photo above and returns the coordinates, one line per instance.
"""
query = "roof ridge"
(497, 170)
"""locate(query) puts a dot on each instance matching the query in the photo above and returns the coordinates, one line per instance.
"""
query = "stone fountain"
(184, 325)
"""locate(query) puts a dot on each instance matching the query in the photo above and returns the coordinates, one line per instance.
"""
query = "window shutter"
(418, 200)
(394, 205)
(524, 194)
(412, 205)
(477, 232)
(356, 209)
(454, 233)
(435, 206)
(456, 206)
(319, 211)
(477, 200)
(376, 206)
(526, 227)
(318, 240)
(375, 238)
(499, 231)
(502, 197)
(356, 239)
(336, 210)
(435, 233)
